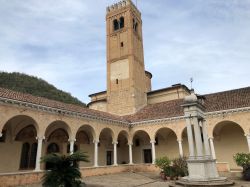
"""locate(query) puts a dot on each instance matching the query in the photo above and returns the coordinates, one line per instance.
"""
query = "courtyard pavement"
(130, 179)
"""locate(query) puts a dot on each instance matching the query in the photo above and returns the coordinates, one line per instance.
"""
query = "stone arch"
(142, 150)
(229, 139)
(108, 130)
(58, 124)
(105, 146)
(140, 130)
(218, 125)
(89, 130)
(18, 122)
(122, 147)
(166, 143)
(19, 141)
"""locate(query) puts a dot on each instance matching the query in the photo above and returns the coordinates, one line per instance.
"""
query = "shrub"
(243, 160)
(162, 163)
(64, 171)
(180, 165)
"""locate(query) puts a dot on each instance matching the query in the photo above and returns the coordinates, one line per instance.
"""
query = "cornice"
(112, 121)
(61, 111)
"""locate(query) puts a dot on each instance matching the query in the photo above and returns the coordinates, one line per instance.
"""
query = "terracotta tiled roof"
(159, 110)
(9, 94)
(231, 99)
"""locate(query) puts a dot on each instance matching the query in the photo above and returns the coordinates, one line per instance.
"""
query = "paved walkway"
(138, 179)
(130, 179)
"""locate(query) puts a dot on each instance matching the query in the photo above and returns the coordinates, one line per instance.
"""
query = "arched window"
(33, 151)
(121, 22)
(24, 163)
(53, 148)
(136, 25)
(116, 25)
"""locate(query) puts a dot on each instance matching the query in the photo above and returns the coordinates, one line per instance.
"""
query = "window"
(135, 25)
(137, 142)
(24, 163)
(116, 81)
(121, 22)
(53, 148)
(116, 25)
(33, 151)
(121, 44)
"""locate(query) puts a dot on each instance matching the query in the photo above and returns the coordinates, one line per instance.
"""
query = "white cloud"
(64, 42)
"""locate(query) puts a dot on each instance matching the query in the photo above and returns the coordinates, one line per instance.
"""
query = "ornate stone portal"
(201, 166)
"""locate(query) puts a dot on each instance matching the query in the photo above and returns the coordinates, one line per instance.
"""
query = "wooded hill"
(36, 86)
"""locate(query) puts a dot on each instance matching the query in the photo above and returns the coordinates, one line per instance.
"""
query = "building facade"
(128, 124)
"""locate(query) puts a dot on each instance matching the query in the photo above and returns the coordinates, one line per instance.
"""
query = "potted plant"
(243, 160)
(180, 165)
(162, 163)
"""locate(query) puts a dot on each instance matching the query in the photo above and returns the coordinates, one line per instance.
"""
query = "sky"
(64, 43)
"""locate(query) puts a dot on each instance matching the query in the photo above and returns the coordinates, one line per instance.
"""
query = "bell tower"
(126, 80)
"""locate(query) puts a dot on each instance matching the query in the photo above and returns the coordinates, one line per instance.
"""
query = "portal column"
(96, 153)
(190, 137)
(39, 152)
(115, 153)
(71, 145)
(197, 135)
(248, 141)
(212, 148)
(180, 147)
(205, 138)
(130, 153)
(153, 151)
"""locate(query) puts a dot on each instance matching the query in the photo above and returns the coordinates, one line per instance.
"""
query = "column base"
(220, 181)
(203, 172)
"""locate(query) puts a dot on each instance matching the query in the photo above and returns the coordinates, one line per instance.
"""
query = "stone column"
(212, 148)
(197, 136)
(205, 138)
(130, 153)
(180, 147)
(190, 137)
(153, 151)
(1, 134)
(71, 145)
(96, 153)
(248, 141)
(115, 153)
(39, 152)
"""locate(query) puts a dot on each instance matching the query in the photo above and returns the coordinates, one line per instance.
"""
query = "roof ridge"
(220, 92)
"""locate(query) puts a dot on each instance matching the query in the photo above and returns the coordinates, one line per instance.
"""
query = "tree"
(64, 171)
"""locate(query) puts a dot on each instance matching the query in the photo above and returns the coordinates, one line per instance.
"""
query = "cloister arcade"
(109, 145)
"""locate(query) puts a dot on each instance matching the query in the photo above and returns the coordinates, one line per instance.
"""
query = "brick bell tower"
(126, 80)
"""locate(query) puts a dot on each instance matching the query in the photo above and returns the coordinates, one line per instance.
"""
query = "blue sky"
(63, 42)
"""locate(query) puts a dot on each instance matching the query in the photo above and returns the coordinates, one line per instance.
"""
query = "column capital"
(40, 138)
(152, 141)
(1, 134)
(72, 140)
(179, 140)
(115, 143)
(96, 141)
(211, 138)
(130, 143)
(247, 135)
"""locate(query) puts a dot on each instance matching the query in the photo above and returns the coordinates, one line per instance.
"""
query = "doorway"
(109, 158)
(147, 155)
